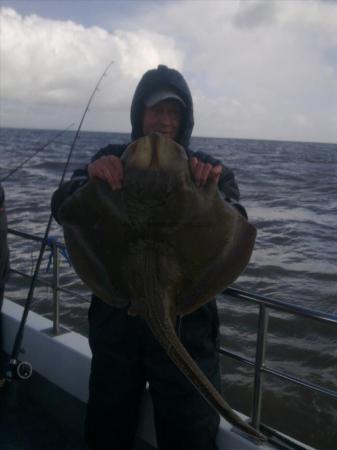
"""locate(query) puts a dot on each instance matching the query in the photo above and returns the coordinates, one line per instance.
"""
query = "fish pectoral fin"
(223, 271)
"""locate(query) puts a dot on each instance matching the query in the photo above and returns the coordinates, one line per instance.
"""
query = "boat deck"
(26, 425)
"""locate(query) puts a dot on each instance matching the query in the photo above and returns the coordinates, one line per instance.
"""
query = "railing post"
(259, 363)
(56, 285)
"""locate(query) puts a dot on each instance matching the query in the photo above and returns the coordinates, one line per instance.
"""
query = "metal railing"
(260, 367)
(265, 304)
(56, 247)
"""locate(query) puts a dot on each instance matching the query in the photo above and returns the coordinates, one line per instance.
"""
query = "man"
(4, 270)
(125, 354)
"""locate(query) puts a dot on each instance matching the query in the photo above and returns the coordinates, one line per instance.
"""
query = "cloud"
(255, 14)
(256, 69)
(281, 56)
(56, 62)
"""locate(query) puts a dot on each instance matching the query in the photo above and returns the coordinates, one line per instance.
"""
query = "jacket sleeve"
(227, 183)
(112, 149)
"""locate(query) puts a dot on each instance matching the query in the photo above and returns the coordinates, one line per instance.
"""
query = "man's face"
(164, 117)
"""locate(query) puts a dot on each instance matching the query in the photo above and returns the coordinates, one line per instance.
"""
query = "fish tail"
(178, 354)
(151, 276)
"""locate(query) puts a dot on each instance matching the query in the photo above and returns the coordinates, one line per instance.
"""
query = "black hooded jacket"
(152, 81)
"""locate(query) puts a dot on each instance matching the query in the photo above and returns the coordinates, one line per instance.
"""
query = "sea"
(289, 190)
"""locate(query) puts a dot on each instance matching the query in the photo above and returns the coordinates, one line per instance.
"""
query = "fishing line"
(34, 154)
(18, 340)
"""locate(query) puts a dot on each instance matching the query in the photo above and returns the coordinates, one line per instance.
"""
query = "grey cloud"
(256, 14)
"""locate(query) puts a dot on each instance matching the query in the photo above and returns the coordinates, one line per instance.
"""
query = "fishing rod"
(34, 154)
(14, 365)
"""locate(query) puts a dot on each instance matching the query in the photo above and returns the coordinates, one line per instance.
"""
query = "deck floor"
(24, 425)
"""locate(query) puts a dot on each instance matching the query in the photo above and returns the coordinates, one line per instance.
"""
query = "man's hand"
(202, 172)
(107, 168)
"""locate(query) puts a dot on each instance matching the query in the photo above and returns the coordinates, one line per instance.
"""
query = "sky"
(257, 69)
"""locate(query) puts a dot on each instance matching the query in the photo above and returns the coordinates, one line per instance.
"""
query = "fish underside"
(160, 246)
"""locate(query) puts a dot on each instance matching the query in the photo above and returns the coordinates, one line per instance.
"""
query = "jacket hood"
(154, 80)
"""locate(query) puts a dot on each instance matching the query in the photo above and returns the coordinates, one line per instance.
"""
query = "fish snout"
(156, 152)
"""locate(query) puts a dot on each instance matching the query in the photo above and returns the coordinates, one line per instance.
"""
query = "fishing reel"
(19, 370)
